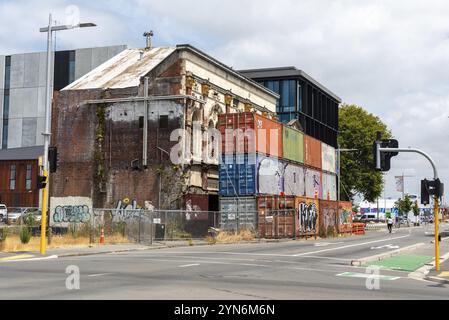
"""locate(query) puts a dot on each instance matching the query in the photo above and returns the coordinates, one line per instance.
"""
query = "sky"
(390, 57)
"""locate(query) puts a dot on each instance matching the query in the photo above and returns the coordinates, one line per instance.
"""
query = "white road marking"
(366, 276)
(388, 246)
(189, 265)
(348, 246)
(210, 262)
(325, 244)
(99, 275)
(34, 259)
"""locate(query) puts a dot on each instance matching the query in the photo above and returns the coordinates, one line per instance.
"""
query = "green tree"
(358, 131)
(404, 206)
(415, 209)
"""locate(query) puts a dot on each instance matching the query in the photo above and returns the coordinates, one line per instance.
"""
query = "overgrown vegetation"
(25, 234)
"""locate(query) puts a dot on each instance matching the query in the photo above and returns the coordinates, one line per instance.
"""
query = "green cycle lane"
(403, 262)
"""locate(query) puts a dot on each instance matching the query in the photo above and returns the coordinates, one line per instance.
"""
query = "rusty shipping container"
(328, 216)
(250, 133)
(345, 217)
(307, 216)
(276, 217)
(312, 152)
(293, 144)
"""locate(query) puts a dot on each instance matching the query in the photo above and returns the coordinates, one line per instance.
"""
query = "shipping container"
(313, 183)
(250, 133)
(328, 216)
(238, 213)
(312, 152)
(294, 180)
(276, 216)
(307, 216)
(328, 155)
(251, 175)
(293, 144)
(329, 182)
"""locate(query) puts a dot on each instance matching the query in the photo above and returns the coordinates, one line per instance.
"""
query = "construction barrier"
(358, 228)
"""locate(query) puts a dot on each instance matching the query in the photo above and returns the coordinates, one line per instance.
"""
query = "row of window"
(290, 94)
(13, 177)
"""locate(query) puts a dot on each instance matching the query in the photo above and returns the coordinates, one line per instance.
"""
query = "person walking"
(390, 224)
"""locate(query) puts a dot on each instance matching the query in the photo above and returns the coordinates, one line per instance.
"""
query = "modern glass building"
(302, 98)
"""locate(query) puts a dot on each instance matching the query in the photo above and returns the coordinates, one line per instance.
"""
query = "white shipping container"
(329, 182)
(238, 213)
(329, 157)
(313, 183)
(294, 180)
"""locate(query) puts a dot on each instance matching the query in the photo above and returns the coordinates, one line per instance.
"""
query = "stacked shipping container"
(279, 170)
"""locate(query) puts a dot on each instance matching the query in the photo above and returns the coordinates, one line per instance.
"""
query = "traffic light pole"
(436, 201)
(44, 215)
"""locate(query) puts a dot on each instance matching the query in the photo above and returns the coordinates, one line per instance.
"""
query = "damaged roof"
(122, 71)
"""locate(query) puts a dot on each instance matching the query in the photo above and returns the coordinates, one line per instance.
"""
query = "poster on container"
(328, 216)
(329, 182)
(270, 173)
(313, 183)
(328, 158)
(345, 217)
(294, 180)
(307, 220)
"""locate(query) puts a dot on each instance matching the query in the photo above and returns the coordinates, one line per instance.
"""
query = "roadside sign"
(231, 216)
(157, 221)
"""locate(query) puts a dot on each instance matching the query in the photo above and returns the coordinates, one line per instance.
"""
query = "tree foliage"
(415, 209)
(404, 206)
(358, 131)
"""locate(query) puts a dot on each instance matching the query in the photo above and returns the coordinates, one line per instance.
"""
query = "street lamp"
(48, 98)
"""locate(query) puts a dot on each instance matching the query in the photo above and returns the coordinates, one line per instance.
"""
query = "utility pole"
(47, 133)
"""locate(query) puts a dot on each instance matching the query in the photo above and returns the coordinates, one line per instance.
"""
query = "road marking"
(366, 276)
(444, 274)
(388, 246)
(99, 274)
(348, 246)
(189, 265)
(325, 244)
(17, 257)
(35, 259)
(211, 262)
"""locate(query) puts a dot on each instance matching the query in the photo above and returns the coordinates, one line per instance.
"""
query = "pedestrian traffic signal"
(41, 182)
(53, 159)
(382, 159)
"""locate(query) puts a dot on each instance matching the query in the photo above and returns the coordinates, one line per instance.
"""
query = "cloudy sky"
(391, 57)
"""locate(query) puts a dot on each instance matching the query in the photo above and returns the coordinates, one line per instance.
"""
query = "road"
(285, 270)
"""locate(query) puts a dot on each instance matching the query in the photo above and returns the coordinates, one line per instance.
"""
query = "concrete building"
(22, 112)
(115, 144)
(302, 98)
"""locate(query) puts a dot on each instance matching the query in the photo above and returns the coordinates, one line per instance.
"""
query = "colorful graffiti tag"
(71, 214)
(308, 218)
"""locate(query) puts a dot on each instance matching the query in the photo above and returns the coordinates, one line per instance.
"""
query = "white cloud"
(390, 57)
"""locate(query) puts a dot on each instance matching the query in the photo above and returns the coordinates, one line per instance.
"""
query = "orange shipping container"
(250, 133)
(307, 220)
(312, 152)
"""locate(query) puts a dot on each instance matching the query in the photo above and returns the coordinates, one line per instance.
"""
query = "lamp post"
(47, 133)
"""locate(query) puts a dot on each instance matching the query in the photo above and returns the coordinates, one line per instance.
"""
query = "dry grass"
(227, 237)
(13, 244)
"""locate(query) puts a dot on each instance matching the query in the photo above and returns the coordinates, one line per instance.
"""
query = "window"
(28, 176)
(71, 66)
(12, 178)
(6, 102)
(163, 122)
(299, 95)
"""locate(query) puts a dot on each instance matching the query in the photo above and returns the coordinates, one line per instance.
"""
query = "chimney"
(148, 36)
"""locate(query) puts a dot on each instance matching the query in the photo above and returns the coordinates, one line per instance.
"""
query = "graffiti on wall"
(329, 217)
(71, 214)
(308, 217)
(126, 209)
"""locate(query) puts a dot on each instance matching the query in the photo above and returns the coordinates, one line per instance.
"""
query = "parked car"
(14, 215)
(3, 213)
(35, 213)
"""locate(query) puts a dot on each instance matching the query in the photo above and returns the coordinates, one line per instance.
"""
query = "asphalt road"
(285, 270)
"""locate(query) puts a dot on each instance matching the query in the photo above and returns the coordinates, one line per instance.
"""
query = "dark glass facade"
(302, 99)
(6, 102)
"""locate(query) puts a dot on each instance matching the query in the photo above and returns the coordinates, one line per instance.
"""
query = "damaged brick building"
(114, 129)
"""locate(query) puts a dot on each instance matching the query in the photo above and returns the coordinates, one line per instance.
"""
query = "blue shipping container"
(237, 175)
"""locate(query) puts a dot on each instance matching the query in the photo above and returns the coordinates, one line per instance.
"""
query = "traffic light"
(41, 182)
(431, 188)
(53, 159)
(425, 198)
(382, 160)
